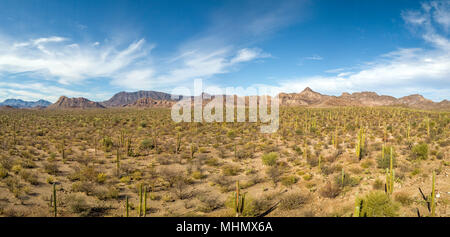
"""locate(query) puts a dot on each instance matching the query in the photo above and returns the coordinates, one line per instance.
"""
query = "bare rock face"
(6, 107)
(151, 103)
(75, 103)
(304, 98)
(311, 98)
(367, 98)
(126, 98)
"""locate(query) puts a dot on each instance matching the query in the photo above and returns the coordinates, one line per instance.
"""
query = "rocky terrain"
(306, 98)
(311, 98)
(151, 103)
(72, 103)
(125, 98)
(17, 103)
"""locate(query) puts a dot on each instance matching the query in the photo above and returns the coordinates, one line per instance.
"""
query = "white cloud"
(36, 91)
(188, 65)
(314, 58)
(246, 54)
(401, 72)
(140, 79)
(59, 58)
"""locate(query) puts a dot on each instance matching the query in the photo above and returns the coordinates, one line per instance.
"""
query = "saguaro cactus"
(145, 201)
(193, 150)
(140, 200)
(408, 131)
(63, 153)
(433, 196)
(320, 161)
(239, 201)
(358, 207)
(178, 145)
(360, 144)
(55, 209)
(127, 207)
(430, 199)
(390, 175)
(118, 161)
(128, 147)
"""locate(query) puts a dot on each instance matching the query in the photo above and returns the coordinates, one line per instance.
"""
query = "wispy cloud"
(398, 73)
(314, 58)
(67, 62)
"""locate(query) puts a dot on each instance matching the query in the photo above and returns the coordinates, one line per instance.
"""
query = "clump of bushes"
(384, 162)
(270, 159)
(420, 152)
(293, 201)
(230, 170)
(378, 204)
(288, 181)
(330, 190)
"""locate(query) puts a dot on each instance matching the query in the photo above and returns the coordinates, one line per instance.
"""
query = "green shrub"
(77, 203)
(403, 198)
(386, 162)
(230, 170)
(420, 151)
(288, 181)
(293, 201)
(378, 184)
(146, 144)
(270, 159)
(3, 172)
(378, 204)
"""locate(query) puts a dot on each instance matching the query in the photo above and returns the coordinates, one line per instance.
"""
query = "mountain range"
(307, 98)
(17, 103)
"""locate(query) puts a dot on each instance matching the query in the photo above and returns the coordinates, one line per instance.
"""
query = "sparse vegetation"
(323, 157)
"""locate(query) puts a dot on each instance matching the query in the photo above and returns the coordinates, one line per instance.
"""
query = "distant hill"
(75, 103)
(18, 103)
(307, 98)
(151, 103)
(125, 98)
(6, 107)
(311, 98)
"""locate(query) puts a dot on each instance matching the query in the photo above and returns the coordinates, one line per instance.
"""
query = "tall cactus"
(192, 151)
(358, 207)
(360, 144)
(140, 201)
(128, 147)
(145, 201)
(390, 175)
(433, 196)
(127, 207)
(335, 139)
(239, 201)
(320, 161)
(178, 145)
(55, 209)
(63, 153)
(118, 161)
(408, 132)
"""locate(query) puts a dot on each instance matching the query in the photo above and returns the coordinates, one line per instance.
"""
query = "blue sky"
(95, 49)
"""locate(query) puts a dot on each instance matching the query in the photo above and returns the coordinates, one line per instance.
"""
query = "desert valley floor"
(319, 163)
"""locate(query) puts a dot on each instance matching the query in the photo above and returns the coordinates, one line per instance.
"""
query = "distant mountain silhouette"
(74, 103)
(18, 103)
(151, 103)
(125, 98)
(307, 98)
(314, 99)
